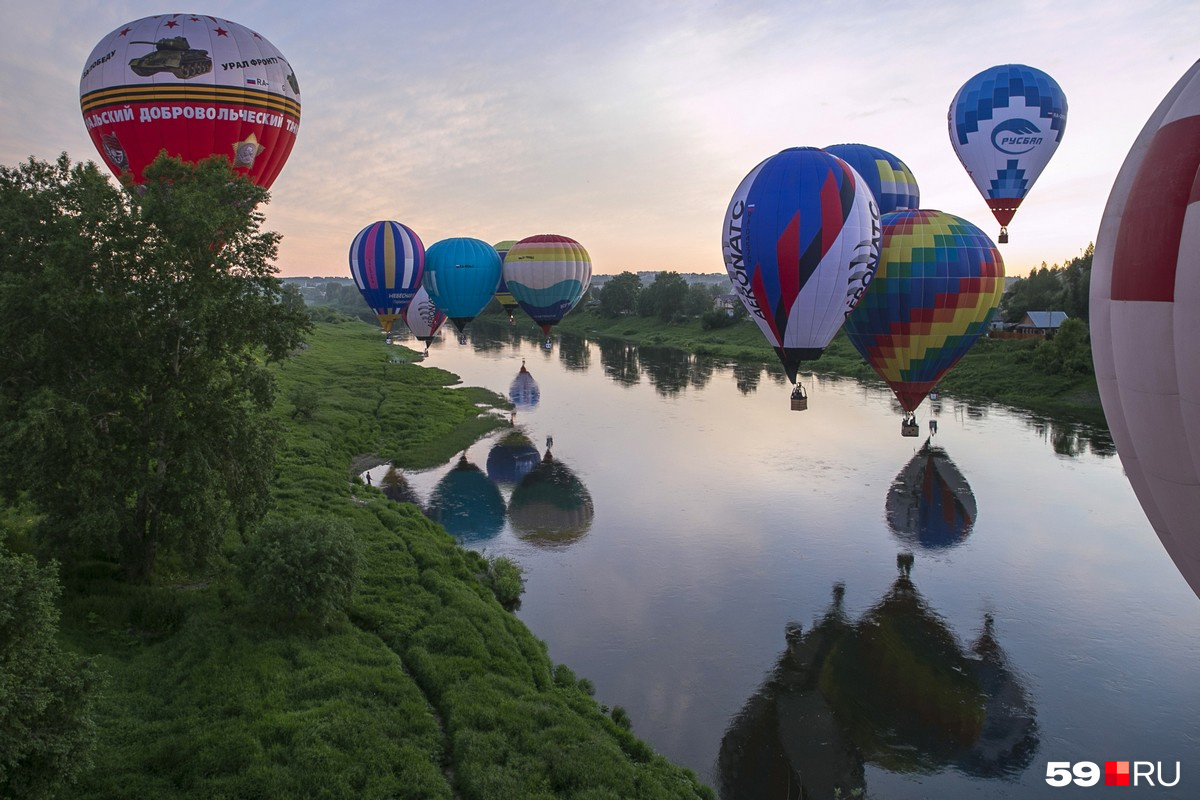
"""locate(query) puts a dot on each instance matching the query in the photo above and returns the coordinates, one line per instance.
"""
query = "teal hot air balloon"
(461, 276)
(890, 180)
(548, 275)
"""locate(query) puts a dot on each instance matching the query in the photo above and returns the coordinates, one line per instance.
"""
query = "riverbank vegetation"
(324, 641)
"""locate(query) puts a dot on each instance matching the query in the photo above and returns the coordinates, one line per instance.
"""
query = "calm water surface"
(783, 598)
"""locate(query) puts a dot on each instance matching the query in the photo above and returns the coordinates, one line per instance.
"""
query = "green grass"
(427, 688)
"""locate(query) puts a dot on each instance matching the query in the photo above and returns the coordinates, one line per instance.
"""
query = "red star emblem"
(127, 30)
(172, 24)
(221, 31)
(193, 19)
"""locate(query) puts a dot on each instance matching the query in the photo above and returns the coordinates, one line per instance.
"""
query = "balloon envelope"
(801, 242)
(1005, 124)
(551, 507)
(512, 458)
(423, 317)
(461, 276)
(1145, 299)
(386, 261)
(503, 296)
(939, 282)
(890, 180)
(195, 86)
(547, 274)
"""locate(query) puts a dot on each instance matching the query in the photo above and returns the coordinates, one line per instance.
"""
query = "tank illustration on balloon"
(930, 505)
(387, 260)
(547, 275)
(1145, 320)
(890, 180)
(939, 282)
(137, 101)
(173, 55)
(1005, 124)
(801, 242)
(895, 689)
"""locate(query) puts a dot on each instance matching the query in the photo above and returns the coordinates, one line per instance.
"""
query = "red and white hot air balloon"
(1145, 320)
(195, 86)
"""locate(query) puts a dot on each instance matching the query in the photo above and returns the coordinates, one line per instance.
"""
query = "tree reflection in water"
(895, 689)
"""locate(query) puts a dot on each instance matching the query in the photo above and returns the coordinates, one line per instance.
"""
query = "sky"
(628, 124)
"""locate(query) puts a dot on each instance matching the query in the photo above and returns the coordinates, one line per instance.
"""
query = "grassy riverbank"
(427, 688)
(993, 371)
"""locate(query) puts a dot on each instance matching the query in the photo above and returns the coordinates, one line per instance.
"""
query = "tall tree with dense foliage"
(134, 324)
(619, 296)
(664, 297)
(46, 693)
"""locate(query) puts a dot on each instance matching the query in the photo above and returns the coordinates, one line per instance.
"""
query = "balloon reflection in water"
(930, 504)
(551, 507)
(895, 689)
(512, 458)
(467, 504)
(524, 391)
(396, 487)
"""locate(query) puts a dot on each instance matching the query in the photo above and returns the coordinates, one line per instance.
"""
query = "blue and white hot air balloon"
(461, 276)
(1005, 124)
(387, 261)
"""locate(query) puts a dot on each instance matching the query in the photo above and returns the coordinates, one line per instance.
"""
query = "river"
(781, 598)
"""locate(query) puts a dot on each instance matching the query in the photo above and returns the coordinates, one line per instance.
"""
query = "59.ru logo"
(1116, 773)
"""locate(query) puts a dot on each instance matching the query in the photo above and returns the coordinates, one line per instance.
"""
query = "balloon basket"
(910, 429)
(1003, 236)
(799, 400)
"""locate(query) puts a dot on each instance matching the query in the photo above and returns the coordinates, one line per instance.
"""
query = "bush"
(46, 693)
(506, 579)
(305, 567)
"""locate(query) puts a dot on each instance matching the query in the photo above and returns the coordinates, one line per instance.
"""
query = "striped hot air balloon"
(503, 296)
(548, 275)
(890, 180)
(387, 260)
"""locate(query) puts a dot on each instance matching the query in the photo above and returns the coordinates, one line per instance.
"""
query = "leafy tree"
(1076, 279)
(46, 693)
(699, 299)
(133, 327)
(1041, 291)
(1068, 353)
(619, 296)
(307, 566)
(664, 297)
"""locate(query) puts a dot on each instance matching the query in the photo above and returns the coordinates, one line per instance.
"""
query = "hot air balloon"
(930, 503)
(461, 275)
(195, 86)
(503, 296)
(891, 181)
(801, 241)
(423, 317)
(547, 274)
(387, 260)
(1005, 124)
(1145, 320)
(938, 284)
